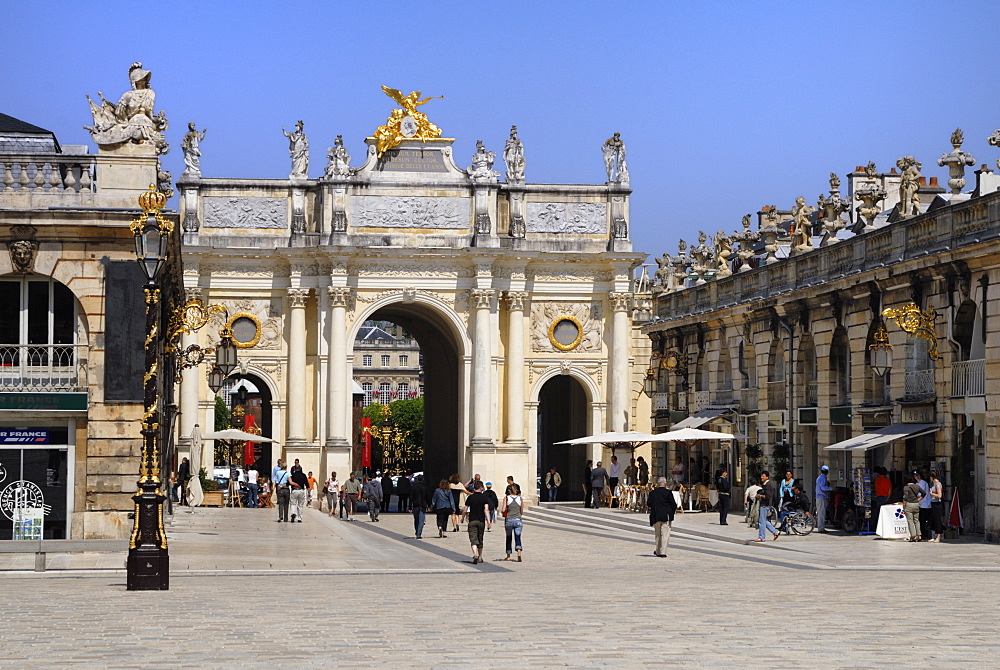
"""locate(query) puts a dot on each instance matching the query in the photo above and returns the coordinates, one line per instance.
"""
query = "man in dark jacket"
(491, 495)
(386, 491)
(421, 501)
(725, 489)
(586, 483)
(403, 488)
(661, 515)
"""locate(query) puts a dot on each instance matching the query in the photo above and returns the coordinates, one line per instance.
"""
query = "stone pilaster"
(618, 374)
(340, 391)
(515, 366)
(296, 394)
(482, 395)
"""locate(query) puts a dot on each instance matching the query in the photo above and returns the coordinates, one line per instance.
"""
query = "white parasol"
(629, 439)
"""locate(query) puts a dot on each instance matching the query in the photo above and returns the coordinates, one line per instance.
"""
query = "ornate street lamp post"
(148, 564)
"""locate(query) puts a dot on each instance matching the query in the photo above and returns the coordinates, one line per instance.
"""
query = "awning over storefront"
(698, 418)
(876, 438)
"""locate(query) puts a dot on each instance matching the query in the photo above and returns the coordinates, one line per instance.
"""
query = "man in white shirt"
(614, 474)
(252, 486)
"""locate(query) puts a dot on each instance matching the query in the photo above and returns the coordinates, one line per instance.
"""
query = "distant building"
(388, 367)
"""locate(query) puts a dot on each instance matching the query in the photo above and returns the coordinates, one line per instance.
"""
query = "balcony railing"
(700, 400)
(812, 393)
(48, 173)
(750, 399)
(919, 383)
(53, 367)
(968, 378)
(776, 395)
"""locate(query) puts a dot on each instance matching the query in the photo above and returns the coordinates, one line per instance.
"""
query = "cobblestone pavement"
(247, 591)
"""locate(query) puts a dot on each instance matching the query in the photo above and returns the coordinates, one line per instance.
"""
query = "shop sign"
(13, 436)
(33, 402)
(918, 414)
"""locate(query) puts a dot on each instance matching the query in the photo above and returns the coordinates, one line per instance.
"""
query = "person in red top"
(883, 489)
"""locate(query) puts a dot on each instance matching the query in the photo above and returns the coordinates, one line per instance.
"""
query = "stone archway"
(443, 350)
(562, 415)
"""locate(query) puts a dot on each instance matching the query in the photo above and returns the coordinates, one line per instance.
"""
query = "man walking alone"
(552, 482)
(725, 490)
(822, 490)
(421, 502)
(476, 510)
(598, 480)
(299, 483)
(661, 515)
(767, 496)
(281, 485)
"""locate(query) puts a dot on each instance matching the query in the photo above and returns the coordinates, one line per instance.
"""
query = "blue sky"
(724, 106)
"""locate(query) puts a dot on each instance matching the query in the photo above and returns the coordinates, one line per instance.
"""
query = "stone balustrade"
(944, 229)
(51, 173)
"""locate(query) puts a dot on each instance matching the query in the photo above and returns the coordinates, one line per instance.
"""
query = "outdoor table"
(892, 523)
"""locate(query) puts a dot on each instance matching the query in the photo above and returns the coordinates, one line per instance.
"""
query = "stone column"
(618, 374)
(482, 396)
(340, 391)
(296, 395)
(189, 388)
(515, 366)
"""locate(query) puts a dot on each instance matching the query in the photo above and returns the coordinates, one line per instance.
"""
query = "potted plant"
(213, 496)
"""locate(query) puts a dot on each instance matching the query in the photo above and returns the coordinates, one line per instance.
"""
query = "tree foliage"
(221, 414)
(406, 415)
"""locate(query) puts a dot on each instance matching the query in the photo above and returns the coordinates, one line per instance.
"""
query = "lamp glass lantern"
(649, 383)
(881, 352)
(225, 354)
(151, 245)
(216, 378)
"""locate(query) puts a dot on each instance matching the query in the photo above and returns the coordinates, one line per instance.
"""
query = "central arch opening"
(562, 415)
(438, 385)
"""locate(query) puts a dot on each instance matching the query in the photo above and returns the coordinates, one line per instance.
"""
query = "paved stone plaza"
(248, 591)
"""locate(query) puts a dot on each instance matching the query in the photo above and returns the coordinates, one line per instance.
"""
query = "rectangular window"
(404, 360)
(404, 390)
(385, 393)
(366, 360)
(385, 360)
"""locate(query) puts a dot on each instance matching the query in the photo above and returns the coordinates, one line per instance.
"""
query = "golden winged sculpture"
(405, 123)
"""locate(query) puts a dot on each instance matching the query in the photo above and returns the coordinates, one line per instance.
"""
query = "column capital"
(483, 297)
(297, 296)
(516, 300)
(620, 302)
(340, 296)
(193, 293)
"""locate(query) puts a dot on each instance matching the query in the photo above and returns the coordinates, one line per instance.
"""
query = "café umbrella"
(629, 439)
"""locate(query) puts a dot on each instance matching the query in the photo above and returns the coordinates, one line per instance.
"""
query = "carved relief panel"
(563, 326)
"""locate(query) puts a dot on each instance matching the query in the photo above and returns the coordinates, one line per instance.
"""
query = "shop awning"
(876, 438)
(699, 418)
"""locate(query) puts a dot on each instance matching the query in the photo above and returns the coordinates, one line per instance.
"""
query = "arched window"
(876, 385)
(725, 366)
(805, 381)
(37, 334)
(840, 368)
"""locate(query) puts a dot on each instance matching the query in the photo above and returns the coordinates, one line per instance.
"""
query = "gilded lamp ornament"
(917, 322)
(405, 123)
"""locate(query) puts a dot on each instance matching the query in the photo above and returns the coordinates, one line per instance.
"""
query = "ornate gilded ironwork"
(191, 316)
(918, 323)
(405, 123)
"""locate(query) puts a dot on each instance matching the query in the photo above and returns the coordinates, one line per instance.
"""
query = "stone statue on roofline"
(298, 149)
(909, 182)
(482, 163)
(513, 156)
(131, 121)
(801, 226)
(338, 160)
(614, 159)
(190, 145)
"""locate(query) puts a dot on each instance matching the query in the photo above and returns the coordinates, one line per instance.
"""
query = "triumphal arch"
(519, 294)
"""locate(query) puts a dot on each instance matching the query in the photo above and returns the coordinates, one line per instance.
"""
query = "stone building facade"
(520, 296)
(782, 353)
(71, 322)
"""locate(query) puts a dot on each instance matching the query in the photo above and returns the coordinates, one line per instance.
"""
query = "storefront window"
(33, 483)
